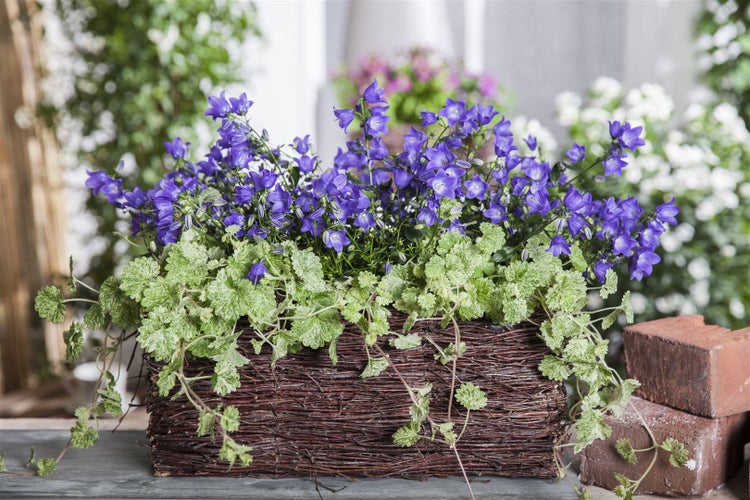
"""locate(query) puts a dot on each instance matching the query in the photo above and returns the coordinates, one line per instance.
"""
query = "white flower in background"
(649, 102)
(605, 89)
(732, 124)
(684, 232)
(657, 175)
(736, 308)
(699, 294)
(164, 40)
(673, 303)
(568, 105)
(723, 179)
(728, 251)
(638, 302)
(694, 112)
(699, 269)
(685, 155)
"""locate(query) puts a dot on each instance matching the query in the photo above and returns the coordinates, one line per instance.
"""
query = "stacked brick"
(695, 387)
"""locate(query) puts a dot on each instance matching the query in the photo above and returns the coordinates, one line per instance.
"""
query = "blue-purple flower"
(218, 106)
(576, 153)
(336, 239)
(257, 272)
(177, 148)
(558, 246)
(344, 117)
(475, 188)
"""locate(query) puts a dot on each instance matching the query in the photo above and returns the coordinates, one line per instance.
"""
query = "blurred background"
(102, 84)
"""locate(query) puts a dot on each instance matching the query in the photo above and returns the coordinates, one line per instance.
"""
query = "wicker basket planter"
(307, 417)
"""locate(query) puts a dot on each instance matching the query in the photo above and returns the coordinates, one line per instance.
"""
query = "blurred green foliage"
(144, 71)
(724, 36)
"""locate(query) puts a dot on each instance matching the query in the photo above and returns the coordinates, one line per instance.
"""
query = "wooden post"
(32, 210)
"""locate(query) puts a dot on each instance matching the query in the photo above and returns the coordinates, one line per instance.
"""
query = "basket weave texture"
(306, 417)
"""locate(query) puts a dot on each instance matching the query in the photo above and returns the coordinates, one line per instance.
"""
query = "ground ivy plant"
(271, 243)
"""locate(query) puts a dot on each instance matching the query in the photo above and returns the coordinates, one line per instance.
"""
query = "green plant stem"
(456, 354)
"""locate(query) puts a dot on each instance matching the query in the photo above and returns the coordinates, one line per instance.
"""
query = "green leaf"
(94, 317)
(610, 284)
(627, 307)
(205, 423)
(231, 356)
(428, 303)
(3, 468)
(618, 396)
(569, 292)
(407, 435)
(71, 277)
(393, 284)
(470, 396)
(82, 413)
(49, 304)
(225, 379)
(124, 310)
(421, 408)
(332, 352)
(231, 451)
(577, 258)
(366, 280)
(492, 239)
(375, 366)
(138, 276)
(46, 466)
(315, 331)
(678, 453)
(73, 338)
(625, 450)
(308, 268)
(83, 436)
(553, 338)
(110, 400)
(447, 431)
(233, 297)
(610, 319)
(167, 378)
(590, 426)
(155, 336)
(187, 261)
(406, 341)
(625, 488)
(161, 293)
(446, 355)
(230, 419)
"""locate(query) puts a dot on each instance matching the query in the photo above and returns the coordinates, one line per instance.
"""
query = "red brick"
(716, 446)
(683, 363)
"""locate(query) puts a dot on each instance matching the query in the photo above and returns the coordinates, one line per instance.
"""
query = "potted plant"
(415, 80)
(257, 256)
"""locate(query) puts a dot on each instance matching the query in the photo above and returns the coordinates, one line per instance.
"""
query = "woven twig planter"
(307, 417)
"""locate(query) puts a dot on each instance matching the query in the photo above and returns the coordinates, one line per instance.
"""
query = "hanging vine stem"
(431, 421)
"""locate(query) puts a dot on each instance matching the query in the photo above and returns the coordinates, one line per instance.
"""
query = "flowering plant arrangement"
(415, 80)
(270, 242)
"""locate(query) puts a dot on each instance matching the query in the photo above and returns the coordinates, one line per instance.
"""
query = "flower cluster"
(371, 209)
(702, 162)
(417, 79)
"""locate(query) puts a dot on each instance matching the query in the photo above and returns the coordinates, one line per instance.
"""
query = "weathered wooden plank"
(117, 467)
(32, 226)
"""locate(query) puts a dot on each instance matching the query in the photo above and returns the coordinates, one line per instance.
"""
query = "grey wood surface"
(118, 467)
